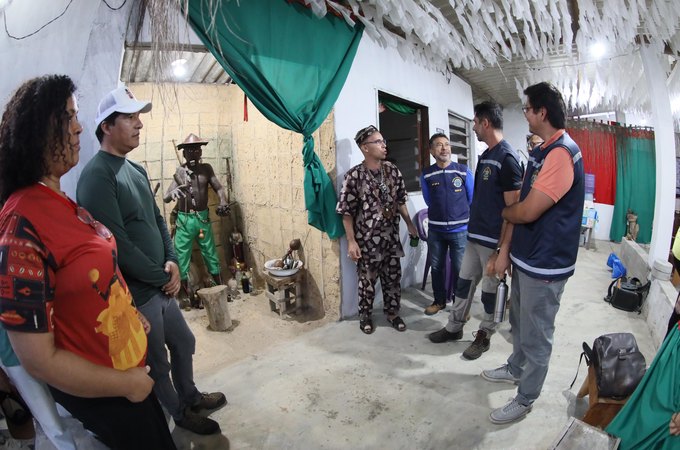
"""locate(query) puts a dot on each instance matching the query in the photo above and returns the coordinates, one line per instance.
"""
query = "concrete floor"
(336, 388)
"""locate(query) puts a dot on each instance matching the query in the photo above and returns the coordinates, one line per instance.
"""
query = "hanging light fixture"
(179, 67)
(598, 49)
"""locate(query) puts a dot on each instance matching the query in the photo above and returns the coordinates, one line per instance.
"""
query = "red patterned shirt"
(59, 273)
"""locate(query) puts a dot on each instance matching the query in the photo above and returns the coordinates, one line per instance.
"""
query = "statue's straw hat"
(192, 139)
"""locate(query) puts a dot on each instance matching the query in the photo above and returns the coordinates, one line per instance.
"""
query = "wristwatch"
(498, 250)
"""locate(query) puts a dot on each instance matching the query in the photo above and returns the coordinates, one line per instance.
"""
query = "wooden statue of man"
(190, 189)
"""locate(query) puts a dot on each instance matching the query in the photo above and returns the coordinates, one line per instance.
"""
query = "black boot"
(187, 299)
(217, 278)
(196, 302)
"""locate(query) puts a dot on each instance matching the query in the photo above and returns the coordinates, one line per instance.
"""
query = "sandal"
(397, 323)
(366, 325)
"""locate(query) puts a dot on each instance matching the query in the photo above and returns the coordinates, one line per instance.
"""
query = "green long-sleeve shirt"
(117, 193)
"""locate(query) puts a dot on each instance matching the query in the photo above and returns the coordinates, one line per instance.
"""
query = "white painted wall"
(86, 43)
(635, 118)
(515, 129)
(375, 69)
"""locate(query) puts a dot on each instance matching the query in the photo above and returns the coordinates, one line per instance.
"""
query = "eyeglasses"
(85, 217)
(441, 145)
(526, 109)
(377, 141)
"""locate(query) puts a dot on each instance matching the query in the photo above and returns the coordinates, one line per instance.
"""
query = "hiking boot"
(478, 346)
(209, 401)
(444, 335)
(500, 375)
(511, 412)
(434, 308)
(198, 424)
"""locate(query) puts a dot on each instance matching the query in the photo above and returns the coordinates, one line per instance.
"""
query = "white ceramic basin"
(279, 272)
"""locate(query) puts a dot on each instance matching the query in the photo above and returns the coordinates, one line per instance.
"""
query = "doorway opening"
(405, 126)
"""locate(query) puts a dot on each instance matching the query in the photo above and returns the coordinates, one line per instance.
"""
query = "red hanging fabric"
(245, 108)
(598, 147)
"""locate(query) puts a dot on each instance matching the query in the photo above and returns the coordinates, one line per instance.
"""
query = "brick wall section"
(266, 174)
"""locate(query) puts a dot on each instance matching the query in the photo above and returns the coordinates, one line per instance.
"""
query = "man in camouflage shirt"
(373, 197)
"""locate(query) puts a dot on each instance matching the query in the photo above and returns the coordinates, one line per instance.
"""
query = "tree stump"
(215, 301)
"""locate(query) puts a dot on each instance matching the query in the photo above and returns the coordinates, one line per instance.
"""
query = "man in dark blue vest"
(498, 178)
(546, 226)
(447, 190)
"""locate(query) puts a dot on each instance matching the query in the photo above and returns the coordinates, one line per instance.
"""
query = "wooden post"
(215, 301)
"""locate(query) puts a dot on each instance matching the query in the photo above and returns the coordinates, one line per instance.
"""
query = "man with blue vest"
(498, 178)
(545, 226)
(447, 190)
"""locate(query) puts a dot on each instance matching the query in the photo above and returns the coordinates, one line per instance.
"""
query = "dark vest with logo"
(448, 208)
(546, 249)
(485, 214)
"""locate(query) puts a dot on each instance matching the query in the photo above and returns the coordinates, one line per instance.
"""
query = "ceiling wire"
(114, 9)
(38, 30)
(53, 20)
(582, 63)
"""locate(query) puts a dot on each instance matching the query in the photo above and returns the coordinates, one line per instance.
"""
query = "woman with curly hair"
(64, 305)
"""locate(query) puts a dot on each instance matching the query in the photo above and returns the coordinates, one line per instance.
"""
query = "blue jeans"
(439, 243)
(168, 327)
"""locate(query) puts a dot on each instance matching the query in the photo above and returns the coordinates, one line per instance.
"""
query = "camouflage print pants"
(389, 272)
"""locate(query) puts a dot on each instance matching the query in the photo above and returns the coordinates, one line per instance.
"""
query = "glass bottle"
(245, 282)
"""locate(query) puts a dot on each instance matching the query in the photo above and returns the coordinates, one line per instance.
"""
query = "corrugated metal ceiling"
(496, 81)
(199, 65)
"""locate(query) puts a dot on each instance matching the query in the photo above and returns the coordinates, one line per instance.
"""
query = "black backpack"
(618, 364)
(627, 294)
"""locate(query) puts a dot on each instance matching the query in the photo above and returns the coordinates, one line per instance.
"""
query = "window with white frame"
(460, 135)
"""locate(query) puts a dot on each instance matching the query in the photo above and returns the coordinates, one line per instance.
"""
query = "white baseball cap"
(119, 100)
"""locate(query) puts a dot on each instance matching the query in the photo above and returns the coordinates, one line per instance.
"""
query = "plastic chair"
(421, 222)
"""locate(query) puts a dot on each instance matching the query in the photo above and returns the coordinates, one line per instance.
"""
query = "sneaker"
(478, 346)
(500, 375)
(211, 401)
(511, 412)
(198, 424)
(444, 335)
(434, 308)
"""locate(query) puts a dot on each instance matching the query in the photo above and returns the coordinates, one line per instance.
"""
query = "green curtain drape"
(397, 107)
(292, 66)
(635, 183)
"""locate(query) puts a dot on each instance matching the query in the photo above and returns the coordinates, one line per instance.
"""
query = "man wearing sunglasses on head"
(373, 197)
(117, 193)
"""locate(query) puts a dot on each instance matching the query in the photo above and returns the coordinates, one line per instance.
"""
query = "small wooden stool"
(284, 293)
(601, 410)
(215, 301)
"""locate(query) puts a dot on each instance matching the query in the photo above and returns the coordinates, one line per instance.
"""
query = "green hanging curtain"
(635, 183)
(397, 107)
(292, 66)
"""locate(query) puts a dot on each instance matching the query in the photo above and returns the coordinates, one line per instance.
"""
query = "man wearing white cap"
(117, 193)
